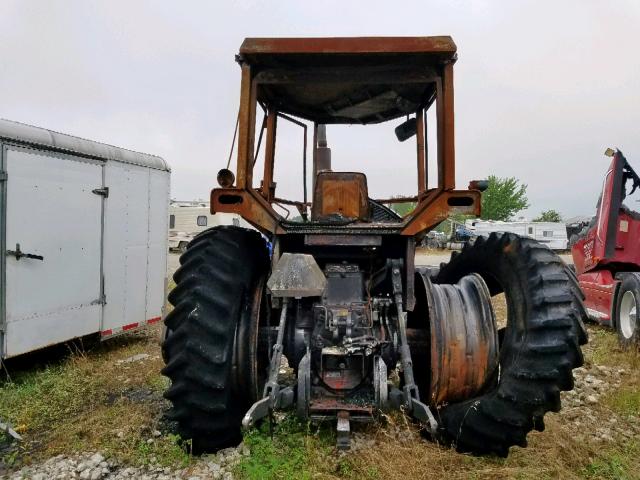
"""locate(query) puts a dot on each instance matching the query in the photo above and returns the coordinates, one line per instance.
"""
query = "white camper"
(83, 238)
(552, 234)
(187, 219)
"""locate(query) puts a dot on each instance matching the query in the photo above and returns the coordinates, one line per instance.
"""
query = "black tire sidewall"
(543, 311)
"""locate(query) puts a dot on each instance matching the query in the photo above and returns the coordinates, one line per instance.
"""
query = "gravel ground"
(579, 406)
(94, 466)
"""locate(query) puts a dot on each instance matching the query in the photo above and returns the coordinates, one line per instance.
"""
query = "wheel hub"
(628, 317)
(463, 338)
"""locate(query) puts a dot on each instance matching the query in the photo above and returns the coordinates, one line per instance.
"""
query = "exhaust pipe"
(322, 153)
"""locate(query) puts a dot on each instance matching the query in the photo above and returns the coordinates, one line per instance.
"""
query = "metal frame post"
(3, 248)
(269, 156)
(448, 180)
(420, 144)
(246, 129)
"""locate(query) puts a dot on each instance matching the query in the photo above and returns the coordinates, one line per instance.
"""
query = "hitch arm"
(273, 396)
(410, 390)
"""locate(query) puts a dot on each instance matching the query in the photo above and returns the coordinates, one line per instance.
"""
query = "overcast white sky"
(542, 87)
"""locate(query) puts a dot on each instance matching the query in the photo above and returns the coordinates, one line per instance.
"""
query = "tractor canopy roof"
(347, 80)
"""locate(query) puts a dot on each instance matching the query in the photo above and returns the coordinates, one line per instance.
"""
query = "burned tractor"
(338, 293)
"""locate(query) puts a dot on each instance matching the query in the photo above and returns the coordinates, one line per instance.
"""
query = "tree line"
(502, 200)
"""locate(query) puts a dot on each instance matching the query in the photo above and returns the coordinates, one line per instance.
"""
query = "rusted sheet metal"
(296, 275)
(438, 205)
(343, 240)
(385, 74)
(249, 204)
(349, 45)
(463, 338)
(341, 193)
(331, 404)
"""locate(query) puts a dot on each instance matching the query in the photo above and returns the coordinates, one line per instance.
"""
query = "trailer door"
(53, 248)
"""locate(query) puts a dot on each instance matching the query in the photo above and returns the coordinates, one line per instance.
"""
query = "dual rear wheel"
(539, 347)
(213, 357)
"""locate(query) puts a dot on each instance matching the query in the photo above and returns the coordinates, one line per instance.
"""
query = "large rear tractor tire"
(212, 335)
(539, 348)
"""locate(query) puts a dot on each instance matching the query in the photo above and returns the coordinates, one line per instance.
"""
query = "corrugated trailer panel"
(126, 240)
(157, 252)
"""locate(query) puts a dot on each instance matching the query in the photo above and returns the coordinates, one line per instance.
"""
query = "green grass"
(606, 350)
(36, 399)
(616, 464)
(86, 401)
(625, 401)
(296, 451)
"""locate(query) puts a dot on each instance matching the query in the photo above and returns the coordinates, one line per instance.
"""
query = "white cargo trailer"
(83, 238)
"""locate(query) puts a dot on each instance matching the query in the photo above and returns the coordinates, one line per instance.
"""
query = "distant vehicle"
(577, 226)
(463, 234)
(187, 219)
(435, 239)
(607, 257)
(83, 246)
(552, 234)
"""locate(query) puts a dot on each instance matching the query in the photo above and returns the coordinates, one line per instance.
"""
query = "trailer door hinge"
(3, 176)
(101, 191)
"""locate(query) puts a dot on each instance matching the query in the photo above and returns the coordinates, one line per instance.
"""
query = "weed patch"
(295, 451)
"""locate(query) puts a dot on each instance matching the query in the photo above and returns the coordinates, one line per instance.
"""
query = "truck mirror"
(406, 129)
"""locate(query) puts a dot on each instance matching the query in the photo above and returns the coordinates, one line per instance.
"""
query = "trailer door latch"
(101, 191)
(20, 254)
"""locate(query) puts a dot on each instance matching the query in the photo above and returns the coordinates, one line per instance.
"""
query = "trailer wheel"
(211, 352)
(627, 308)
(538, 350)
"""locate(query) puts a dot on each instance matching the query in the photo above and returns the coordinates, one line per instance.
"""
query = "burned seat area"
(343, 196)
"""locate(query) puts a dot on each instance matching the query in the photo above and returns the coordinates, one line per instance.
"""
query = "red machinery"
(607, 255)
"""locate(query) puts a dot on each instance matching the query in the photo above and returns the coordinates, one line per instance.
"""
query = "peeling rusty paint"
(463, 338)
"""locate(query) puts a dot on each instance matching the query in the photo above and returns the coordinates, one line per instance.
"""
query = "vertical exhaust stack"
(322, 154)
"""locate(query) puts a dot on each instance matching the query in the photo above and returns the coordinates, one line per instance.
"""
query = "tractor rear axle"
(350, 340)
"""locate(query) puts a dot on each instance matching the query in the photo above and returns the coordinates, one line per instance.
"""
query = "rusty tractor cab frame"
(342, 81)
(340, 296)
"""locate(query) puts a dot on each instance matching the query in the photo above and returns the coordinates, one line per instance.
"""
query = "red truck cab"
(607, 254)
